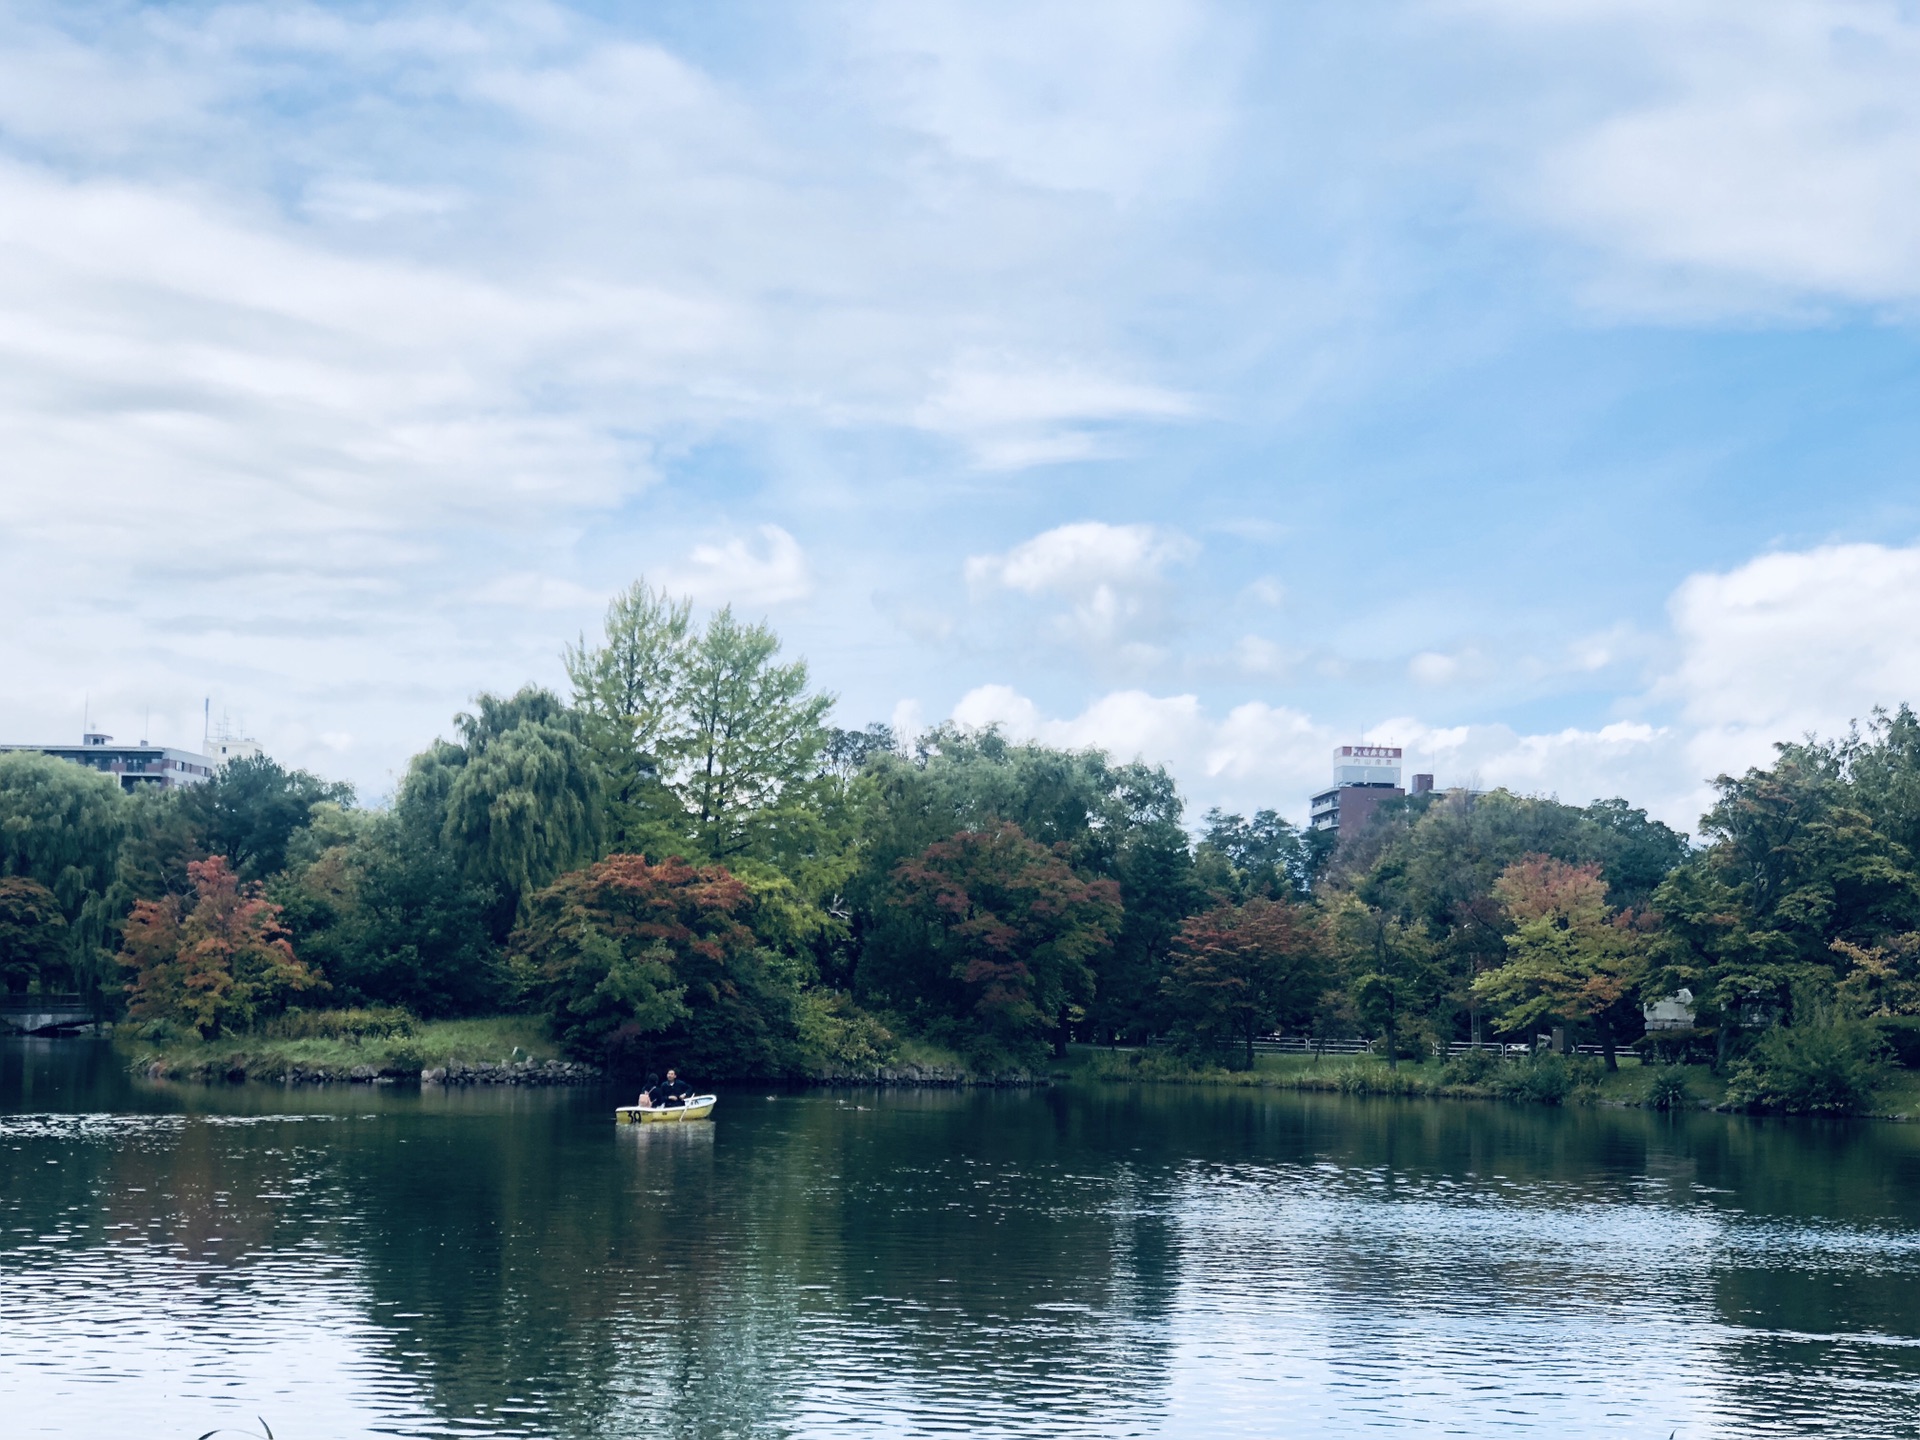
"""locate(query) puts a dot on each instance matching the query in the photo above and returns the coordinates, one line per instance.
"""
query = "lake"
(1081, 1261)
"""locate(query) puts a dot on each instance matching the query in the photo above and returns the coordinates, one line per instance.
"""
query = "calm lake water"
(1082, 1261)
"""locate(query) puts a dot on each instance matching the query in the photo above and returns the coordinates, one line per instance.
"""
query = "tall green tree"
(521, 798)
(752, 744)
(62, 825)
(630, 692)
(1796, 879)
(251, 808)
(1391, 973)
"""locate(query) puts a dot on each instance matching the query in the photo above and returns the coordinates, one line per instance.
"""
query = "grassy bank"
(1590, 1082)
(1586, 1082)
(495, 1039)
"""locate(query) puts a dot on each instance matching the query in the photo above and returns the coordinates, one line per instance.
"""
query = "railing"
(42, 1004)
(1308, 1045)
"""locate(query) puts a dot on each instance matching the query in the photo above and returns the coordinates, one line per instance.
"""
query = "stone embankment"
(482, 1072)
(522, 1072)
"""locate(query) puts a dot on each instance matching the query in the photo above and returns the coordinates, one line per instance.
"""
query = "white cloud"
(1269, 756)
(734, 572)
(1790, 643)
(1115, 98)
(1111, 573)
(1739, 156)
(1016, 415)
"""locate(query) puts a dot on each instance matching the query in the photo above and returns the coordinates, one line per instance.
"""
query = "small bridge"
(44, 1014)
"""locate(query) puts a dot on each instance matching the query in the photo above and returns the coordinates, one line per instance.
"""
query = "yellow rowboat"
(698, 1107)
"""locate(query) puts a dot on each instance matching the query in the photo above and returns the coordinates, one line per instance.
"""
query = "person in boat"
(674, 1092)
(645, 1102)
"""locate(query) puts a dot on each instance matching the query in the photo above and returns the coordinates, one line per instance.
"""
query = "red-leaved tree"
(649, 964)
(1009, 932)
(219, 966)
(1241, 970)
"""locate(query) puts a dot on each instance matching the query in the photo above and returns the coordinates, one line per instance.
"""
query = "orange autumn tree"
(218, 966)
(1570, 957)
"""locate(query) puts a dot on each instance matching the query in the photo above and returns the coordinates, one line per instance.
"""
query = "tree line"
(684, 860)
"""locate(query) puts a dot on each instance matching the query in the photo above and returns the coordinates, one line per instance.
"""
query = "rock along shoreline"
(561, 1072)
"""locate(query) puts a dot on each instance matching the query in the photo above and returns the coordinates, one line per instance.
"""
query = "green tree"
(1796, 880)
(654, 964)
(251, 808)
(751, 746)
(1264, 856)
(1114, 822)
(1391, 974)
(388, 915)
(33, 933)
(219, 965)
(1000, 938)
(630, 692)
(1241, 970)
(523, 801)
(1570, 957)
(62, 825)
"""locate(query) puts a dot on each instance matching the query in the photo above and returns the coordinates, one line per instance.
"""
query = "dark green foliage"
(392, 919)
(251, 808)
(33, 935)
(1540, 1080)
(650, 966)
(994, 936)
(1264, 856)
(1677, 1047)
(1668, 1089)
(1902, 1036)
(1826, 1067)
(1471, 1067)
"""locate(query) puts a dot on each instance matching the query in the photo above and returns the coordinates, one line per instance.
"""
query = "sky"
(1528, 383)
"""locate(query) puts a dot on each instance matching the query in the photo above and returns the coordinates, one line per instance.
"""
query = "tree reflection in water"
(1098, 1261)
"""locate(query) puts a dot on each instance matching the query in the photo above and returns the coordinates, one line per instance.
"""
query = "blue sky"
(1530, 384)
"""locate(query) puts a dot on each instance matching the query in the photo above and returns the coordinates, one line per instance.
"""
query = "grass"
(909, 1050)
(1370, 1075)
(433, 1043)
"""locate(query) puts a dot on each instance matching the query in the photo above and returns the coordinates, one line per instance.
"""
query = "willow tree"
(628, 693)
(523, 798)
(62, 826)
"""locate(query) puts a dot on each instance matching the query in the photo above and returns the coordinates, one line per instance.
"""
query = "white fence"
(1308, 1045)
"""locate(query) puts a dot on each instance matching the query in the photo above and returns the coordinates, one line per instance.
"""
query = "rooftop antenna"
(146, 725)
(206, 725)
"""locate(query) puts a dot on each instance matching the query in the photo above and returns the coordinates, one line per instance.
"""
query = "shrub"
(1378, 1080)
(1471, 1067)
(1902, 1034)
(835, 1035)
(374, 1023)
(1542, 1080)
(1668, 1090)
(1816, 1069)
